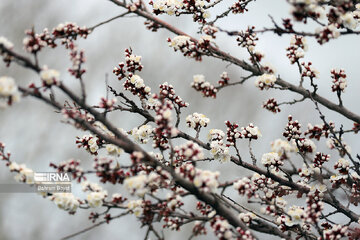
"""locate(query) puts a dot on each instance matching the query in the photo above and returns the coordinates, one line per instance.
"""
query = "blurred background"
(35, 135)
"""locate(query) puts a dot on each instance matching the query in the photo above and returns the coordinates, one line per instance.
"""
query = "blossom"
(179, 42)
(95, 199)
(24, 174)
(135, 206)
(220, 151)
(349, 21)
(142, 134)
(251, 132)
(281, 147)
(137, 184)
(6, 43)
(323, 35)
(304, 145)
(339, 80)
(222, 228)
(216, 135)
(271, 159)
(113, 149)
(65, 201)
(197, 120)
(49, 77)
(206, 180)
(297, 215)
(199, 84)
(265, 81)
(9, 90)
(247, 217)
(189, 151)
(89, 186)
(90, 143)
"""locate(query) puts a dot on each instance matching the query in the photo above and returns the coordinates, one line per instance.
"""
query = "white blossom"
(265, 81)
(65, 201)
(206, 180)
(6, 43)
(142, 134)
(9, 90)
(95, 199)
(196, 120)
(50, 76)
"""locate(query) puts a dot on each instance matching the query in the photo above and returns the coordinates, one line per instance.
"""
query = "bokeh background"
(35, 135)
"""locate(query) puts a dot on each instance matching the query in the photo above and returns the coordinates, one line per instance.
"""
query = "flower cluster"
(232, 133)
(320, 159)
(136, 86)
(221, 228)
(323, 35)
(89, 143)
(282, 148)
(343, 166)
(272, 160)
(336, 232)
(77, 58)
(189, 151)
(167, 91)
(8, 91)
(5, 44)
(70, 31)
(34, 42)
(271, 105)
(134, 83)
(292, 129)
(66, 201)
(339, 80)
(309, 71)
(49, 77)
(133, 64)
(163, 120)
(265, 81)
(304, 145)
(245, 187)
(206, 180)
(96, 195)
(224, 79)
(108, 171)
(218, 149)
(239, 7)
(171, 7)
(296, 216)
(141, 183)
(297, 47)
(113, 150)
(247, 217)
(210, 30)
(185, 45)
(197, 120)
(25, 174)
(199, 84)
(142, 134)
(302, 10)
(248, 39)
(314, 203)
(251, 132)
(318, 131)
